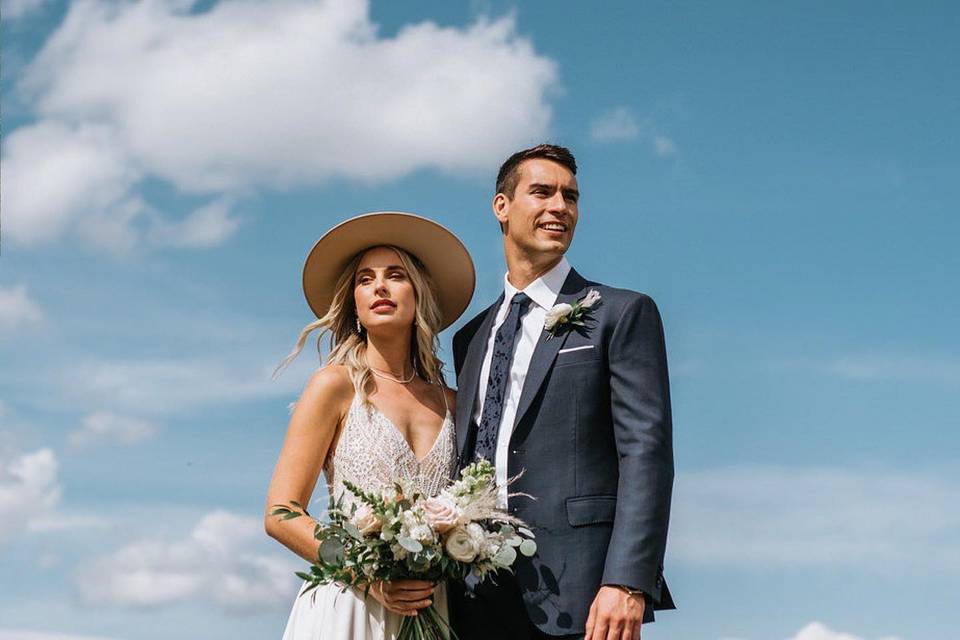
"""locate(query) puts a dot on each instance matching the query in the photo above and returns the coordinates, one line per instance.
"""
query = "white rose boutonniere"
(572, 314)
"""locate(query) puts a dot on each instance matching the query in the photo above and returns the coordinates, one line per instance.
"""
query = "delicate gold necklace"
(387, 376)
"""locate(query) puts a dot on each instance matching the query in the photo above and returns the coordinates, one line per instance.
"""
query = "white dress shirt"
(543, 292)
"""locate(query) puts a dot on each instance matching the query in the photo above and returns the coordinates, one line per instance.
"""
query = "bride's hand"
(403, 596)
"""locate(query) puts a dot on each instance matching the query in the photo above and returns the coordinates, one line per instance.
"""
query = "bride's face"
(383, 292)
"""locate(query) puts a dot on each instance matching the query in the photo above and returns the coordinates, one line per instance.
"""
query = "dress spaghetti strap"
(443, 392)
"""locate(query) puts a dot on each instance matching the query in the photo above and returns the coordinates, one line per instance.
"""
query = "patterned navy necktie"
(486, 446)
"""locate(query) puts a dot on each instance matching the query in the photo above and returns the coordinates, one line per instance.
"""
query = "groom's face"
(542, 214)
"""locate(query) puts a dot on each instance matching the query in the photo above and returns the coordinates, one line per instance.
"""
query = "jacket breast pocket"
(584, 510)
(577, 355)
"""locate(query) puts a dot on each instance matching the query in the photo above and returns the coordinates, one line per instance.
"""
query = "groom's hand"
(615, 615)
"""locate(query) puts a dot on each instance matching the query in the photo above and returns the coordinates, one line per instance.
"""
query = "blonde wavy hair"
(348, 347)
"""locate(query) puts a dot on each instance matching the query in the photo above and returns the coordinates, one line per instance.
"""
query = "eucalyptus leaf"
(526, 532)
(352, 530)
(332, 551)
(505, 557)
(411, 545)
(528, 548)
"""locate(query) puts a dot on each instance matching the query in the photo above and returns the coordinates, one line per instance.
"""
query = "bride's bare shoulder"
(330, 385)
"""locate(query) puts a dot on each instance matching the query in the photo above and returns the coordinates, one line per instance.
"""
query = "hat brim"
(440, 251)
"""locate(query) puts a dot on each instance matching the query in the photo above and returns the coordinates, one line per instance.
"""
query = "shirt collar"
(545, 289)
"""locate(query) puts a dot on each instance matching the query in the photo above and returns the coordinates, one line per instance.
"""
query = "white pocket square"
(587, 346)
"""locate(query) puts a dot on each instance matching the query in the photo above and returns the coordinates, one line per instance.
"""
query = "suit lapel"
(547, 347)
(469, 380)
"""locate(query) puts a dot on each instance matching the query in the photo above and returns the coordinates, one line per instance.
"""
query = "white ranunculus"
(462, 546)
(556, 314)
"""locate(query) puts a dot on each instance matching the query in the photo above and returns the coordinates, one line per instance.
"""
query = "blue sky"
(781, 179)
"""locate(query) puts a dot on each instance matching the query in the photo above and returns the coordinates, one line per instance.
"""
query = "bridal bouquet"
(401, 533)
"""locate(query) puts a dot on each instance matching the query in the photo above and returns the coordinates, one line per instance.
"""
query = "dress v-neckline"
(399, 434)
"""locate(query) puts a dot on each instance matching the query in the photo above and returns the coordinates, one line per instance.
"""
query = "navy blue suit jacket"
(593, 438)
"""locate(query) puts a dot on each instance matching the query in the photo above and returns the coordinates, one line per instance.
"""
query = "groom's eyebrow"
(568, 192)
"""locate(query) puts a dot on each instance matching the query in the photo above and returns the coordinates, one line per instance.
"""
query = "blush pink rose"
(366, 520)
(442, 515)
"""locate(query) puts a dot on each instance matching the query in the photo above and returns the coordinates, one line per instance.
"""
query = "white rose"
(462, 546)
(557, 313)
(366, 520)
(441, 513)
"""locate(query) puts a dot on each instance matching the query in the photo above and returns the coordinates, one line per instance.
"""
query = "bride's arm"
(318, 413)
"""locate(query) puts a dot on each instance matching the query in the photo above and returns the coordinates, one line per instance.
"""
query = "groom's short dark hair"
(509, 175)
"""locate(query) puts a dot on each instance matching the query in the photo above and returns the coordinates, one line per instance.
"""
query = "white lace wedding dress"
(371, 453)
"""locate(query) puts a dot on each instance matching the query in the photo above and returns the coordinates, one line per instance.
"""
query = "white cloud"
(906, 368)
(207, 226)
(220, 560)
(799, 517)
(818, 631)
(29, 634)
(252, 94)
(105, 427)
(59, 178)
(620, 125)
(168, 386)
(28, 489)
(615, 125)
(17, 309)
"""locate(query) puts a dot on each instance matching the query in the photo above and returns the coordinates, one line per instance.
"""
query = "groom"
(569, 389)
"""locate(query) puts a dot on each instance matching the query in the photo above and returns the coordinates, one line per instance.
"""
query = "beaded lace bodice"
(372, 454)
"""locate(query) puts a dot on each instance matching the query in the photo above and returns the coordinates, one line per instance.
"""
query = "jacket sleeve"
(640, 408)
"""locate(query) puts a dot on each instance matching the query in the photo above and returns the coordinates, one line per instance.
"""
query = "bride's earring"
(359, 328)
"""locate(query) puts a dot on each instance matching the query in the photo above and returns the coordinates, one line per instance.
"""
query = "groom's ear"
(501, 207)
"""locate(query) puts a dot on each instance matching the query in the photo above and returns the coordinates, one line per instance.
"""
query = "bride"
(383, 285)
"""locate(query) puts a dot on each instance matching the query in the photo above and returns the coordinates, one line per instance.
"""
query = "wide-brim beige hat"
(440, 251)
